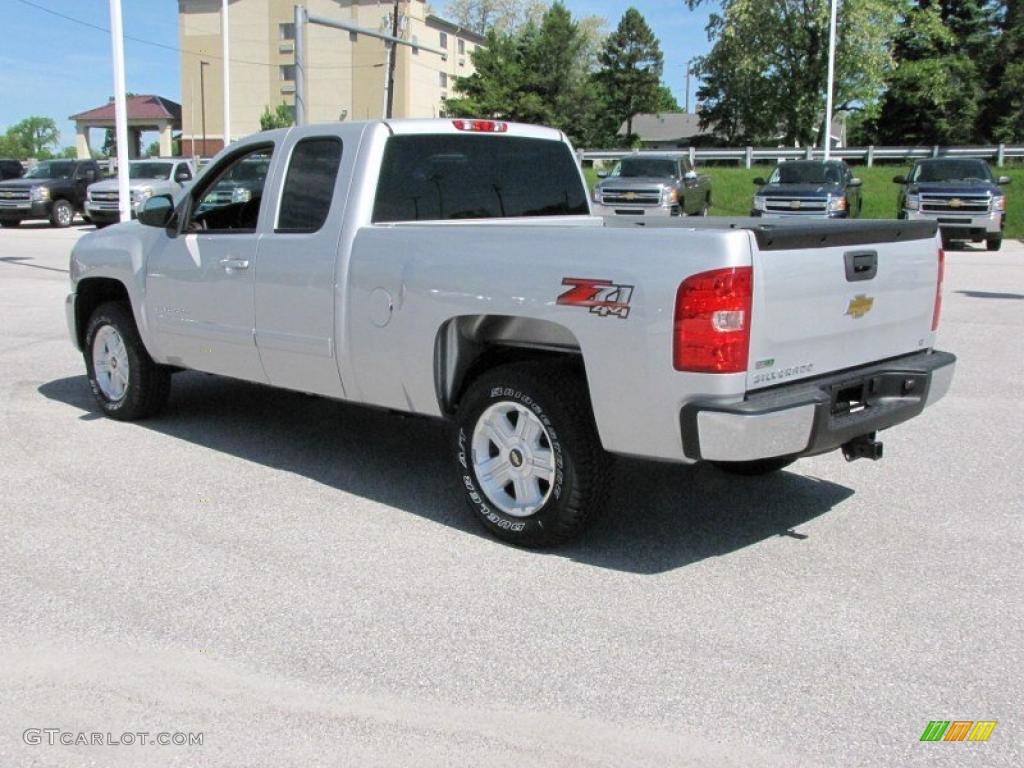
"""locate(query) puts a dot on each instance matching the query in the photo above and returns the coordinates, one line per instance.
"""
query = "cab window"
(230, 200)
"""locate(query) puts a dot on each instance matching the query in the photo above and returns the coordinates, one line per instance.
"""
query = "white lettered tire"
(528, 457)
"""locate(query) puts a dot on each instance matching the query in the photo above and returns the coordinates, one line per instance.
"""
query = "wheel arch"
(468, 345)
(90, 293)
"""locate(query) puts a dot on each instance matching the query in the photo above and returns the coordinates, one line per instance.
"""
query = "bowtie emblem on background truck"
(602, 297)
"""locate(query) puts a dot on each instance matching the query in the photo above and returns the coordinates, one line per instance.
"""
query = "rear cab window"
(429, 177)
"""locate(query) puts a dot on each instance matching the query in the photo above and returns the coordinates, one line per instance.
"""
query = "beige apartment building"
(344, 73)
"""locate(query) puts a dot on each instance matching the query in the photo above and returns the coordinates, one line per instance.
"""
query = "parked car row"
(959, 194)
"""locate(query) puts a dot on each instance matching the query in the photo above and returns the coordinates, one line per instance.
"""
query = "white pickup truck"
(452, 268)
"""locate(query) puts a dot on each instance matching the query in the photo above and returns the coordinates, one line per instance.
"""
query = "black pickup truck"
(53, 189)
(10, 168)
(824, 189)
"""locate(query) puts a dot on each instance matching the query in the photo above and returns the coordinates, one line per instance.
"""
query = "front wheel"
(994, 243)
(528, 457)
(755, 468)
(125, 381)
(62, 214)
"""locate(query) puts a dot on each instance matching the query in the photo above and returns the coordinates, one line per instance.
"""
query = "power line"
(176, 49)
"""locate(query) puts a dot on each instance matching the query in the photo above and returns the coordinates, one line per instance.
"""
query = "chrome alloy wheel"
(110, 363)
(513, 459)
(65, 215)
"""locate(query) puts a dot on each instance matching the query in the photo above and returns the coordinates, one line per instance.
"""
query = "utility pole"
(831, 79)
(226, 44)
(392, 60)
(689, 65)
(202, 100)
(300, 20)
(124, 200)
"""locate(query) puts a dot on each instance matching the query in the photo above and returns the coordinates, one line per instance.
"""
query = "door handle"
(230, 264)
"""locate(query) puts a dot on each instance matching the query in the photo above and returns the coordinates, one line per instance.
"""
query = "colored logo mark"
(958, 730)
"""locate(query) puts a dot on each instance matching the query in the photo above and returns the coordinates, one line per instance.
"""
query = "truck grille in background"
(218, 198)
(104, 197)
(955, 203)
(21, 195)
(796, 206)
(631, 196)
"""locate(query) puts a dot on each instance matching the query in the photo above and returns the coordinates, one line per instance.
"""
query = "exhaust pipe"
(863, 447)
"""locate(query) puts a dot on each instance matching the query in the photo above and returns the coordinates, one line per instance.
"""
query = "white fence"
(868, 155)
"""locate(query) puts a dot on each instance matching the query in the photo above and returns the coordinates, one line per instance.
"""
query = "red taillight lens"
(712, 321)
(938, 290)
(480, 126)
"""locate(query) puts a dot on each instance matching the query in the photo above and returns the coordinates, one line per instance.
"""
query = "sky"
(55, 67)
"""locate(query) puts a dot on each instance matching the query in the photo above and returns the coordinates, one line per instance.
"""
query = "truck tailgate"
(828, 299)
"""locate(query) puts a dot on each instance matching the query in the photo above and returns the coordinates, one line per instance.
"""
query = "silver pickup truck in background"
(153, 176)
(649, 184)
(453, 269)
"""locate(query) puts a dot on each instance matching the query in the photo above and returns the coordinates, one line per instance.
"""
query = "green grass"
(732, 188)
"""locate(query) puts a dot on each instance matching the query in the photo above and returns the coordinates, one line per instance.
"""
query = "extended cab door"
(296, 278)
(85, 174)
(199, 282)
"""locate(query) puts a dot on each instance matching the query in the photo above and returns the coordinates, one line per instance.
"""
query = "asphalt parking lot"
(298, 580)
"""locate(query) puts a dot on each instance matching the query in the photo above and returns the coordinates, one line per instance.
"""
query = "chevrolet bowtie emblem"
(956, 202)
(794, 204)
(859, 306)
(630, 195)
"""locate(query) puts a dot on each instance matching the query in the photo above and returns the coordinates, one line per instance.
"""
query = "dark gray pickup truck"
(53, 189)
(826, 189)
(652, 185)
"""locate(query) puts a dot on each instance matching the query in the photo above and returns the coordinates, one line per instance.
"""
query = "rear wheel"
(755, 468)
(125, 381)
(528, 456)
(62, 214)
(994, 243)
(11, 223)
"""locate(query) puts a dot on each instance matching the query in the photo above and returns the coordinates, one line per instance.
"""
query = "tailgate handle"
(860, 265)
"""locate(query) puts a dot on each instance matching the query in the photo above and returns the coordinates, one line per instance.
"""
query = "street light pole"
(202, 101)
(124, 202)
(831, 79)
(227, 72)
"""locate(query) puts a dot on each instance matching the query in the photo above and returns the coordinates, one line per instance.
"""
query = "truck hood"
(28, 183)
(110, 185)
(800, 190)
(637, 182)
(955, 187)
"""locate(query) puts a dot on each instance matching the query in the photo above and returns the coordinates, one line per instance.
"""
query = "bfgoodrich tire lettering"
(148, 384)
(556, 396)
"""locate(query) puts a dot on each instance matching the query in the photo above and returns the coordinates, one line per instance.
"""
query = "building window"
(287, 71)
(415, 42)
(286, 31)
(442, 79)
(462, 47)
(444, 40)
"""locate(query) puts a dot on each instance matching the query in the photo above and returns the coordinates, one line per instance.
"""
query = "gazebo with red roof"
(145, 113)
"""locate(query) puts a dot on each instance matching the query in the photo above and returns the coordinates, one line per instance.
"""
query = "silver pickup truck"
(146, 178)
(452, 268)
(648, 184)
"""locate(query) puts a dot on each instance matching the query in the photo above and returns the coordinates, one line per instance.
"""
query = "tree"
(764, 79)
(282, 117)
(1003, 116)
(33, 136)
(500, 16)
(631, 65)
(936, 93)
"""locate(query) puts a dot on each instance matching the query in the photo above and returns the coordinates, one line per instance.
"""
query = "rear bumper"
(812, 417)
(962, 225)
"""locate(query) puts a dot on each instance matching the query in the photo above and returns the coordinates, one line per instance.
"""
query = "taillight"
(480, 126)
(938, 290)
(712, 321)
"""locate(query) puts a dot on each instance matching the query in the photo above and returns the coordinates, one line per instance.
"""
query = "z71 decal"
(602, 297)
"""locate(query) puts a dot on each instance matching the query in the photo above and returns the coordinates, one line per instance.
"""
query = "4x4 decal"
(602, 297)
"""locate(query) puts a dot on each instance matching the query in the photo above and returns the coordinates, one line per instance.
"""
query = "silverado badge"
(859, 306)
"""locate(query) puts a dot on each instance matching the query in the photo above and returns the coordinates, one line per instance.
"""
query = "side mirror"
(182, 176)
(899, 179)
(690, 175)
(602, 174)
(854, 182)
(157, 212)
(1003, 180)
(759, 181)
